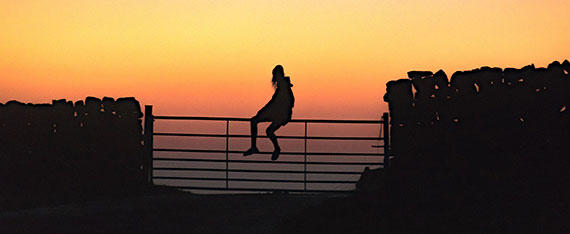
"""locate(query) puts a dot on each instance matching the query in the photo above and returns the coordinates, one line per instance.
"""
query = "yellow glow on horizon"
(215, 58)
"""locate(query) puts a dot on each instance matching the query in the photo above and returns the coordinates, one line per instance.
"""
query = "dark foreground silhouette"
(488, 129)
(484, 152)
(278, 111)
(65, 151)
(163, 212)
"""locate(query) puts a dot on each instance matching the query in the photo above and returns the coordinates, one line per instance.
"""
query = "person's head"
(278, 73)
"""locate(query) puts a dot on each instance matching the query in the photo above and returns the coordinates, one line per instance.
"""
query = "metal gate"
(228, 173)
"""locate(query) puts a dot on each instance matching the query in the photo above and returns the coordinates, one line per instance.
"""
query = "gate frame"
(149, 149)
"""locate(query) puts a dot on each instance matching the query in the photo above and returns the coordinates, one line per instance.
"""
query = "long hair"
(278, 70)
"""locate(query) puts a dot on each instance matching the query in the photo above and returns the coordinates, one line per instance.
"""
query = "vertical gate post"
(148, 142)
(227, 149)
(305, 164)
(386, 123)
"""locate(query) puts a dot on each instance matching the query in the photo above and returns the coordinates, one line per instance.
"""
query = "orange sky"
(214, 58)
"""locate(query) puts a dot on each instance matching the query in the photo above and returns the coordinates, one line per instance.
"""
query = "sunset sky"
(214, 58)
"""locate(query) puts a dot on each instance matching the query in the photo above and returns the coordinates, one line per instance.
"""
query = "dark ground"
(166, 212)
(179, 212)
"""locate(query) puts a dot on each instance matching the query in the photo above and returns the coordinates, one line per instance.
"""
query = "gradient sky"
(214, 58)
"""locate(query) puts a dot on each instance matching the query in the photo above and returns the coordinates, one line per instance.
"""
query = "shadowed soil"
(169, 212)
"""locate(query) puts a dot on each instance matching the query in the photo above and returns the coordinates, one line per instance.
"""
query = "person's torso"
(284, 95)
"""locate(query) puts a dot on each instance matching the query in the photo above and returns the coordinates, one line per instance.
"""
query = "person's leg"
(253, 128)
(271, 134)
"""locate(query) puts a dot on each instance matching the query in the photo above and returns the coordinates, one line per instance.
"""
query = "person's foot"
(251, 151)
(275, 154)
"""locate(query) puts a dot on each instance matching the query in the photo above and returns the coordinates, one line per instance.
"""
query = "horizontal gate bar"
(249, 119)
(256, 171)
(264, 161)
(263, 136)
(255, 180)
(265, 152)
(261, 189)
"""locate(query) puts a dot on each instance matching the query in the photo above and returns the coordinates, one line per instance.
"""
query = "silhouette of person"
(278, 111)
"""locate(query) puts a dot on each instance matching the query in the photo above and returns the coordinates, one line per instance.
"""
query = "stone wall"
(490, 126)
(64, 150)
